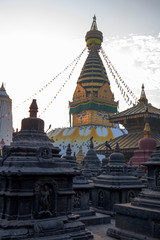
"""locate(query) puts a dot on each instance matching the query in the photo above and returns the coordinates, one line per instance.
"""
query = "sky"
(40, 38)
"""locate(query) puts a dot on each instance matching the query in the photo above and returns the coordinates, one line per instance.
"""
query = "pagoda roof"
(142, 109)
(134, 112)
(128, 141)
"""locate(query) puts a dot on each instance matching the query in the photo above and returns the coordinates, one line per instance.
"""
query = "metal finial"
(117, 149)
(91, 143)
(33, 109)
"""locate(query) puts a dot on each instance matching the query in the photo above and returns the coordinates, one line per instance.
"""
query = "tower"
(93, 101)
(5, 117)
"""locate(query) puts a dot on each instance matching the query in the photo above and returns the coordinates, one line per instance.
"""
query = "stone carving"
(44, 152)
(77, 200)
(44, 200)
(130, 196)
(100, 199)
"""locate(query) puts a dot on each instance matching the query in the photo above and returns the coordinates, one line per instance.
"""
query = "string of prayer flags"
(47, 84)
(119, 81)
(78, 58)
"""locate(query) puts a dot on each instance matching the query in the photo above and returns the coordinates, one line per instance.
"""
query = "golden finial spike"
(94, 24)
(147, 131)
(143, 99)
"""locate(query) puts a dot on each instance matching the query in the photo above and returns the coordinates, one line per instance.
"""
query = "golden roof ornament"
(143, 100)
(147, 130)
(94, 37)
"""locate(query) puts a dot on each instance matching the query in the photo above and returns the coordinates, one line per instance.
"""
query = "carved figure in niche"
(158, 178)
(45, 200)
(100, 199)
(44, 152)
(77, 200)
(131, 196)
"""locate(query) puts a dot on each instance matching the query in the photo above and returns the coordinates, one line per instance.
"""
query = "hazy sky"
(38, 39)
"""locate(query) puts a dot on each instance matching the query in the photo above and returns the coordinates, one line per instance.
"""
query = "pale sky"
(38, 39)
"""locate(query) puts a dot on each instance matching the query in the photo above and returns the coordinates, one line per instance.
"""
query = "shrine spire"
(94, 24)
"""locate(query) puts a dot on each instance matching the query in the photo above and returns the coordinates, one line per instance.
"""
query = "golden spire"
(94, 37)
(143, 100)
(94, 24)
(147, 130)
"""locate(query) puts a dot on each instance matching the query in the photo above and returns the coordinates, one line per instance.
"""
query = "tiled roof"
(127, 141)
(136, 110)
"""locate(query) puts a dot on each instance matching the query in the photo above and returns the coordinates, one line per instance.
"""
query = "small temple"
(134, 120)
(92, 105)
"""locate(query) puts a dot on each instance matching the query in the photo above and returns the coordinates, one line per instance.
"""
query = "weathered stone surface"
(140, 219)
(115, 184)
(91, 163)
(36, 187)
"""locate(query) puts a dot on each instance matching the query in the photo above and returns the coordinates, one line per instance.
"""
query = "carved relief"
(79, 93)
(130, 196)
(105, 92)
(77, 200)
(45, 200)
(44, 152)
(100, 199)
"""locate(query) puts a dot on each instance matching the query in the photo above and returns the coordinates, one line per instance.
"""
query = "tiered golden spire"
(147, 130)
(143, 99)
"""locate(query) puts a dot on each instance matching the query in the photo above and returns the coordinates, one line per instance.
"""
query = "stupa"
(91, 162)
(146, 145)
(93, 102)
(5, 118)
(36, 187)
(115, 184)
(140, 219)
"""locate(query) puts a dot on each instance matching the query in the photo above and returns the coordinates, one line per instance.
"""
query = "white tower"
(5, 118)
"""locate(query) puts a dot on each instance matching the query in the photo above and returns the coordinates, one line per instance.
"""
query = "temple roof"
(142, 109)
(128, 141)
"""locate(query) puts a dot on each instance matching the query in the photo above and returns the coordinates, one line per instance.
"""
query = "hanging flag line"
(127, 94)
(78, 58)
(47, 84)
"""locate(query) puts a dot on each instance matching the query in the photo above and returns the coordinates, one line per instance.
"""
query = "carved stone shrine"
(115, 184)
(140, 219)
(36, 188)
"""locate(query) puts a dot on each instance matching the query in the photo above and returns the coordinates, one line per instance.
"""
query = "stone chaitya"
(146, 145)
(81, 200)
(36, 188)
(140, 219)
(91, 163)
(115, 184)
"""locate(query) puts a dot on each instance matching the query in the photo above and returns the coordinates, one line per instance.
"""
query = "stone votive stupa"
(36, 187)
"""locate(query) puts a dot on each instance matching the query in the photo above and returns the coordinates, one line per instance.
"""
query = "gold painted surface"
(80, 135)
(91, 117)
